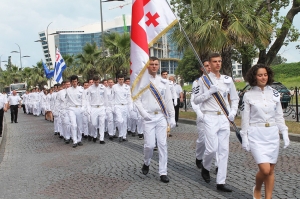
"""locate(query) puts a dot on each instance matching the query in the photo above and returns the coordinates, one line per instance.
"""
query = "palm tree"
(118, 58)
(220, 26)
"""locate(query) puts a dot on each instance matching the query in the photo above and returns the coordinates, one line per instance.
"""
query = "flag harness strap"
(158, 97)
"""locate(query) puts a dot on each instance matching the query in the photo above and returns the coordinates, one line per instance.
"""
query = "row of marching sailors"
(81, 112)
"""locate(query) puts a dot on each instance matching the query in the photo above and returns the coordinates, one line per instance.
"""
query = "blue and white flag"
(49, 73)
(60, 66)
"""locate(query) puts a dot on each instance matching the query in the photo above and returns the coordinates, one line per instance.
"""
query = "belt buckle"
(122, 104)
(267, 124)
(156, 112)
(219, 113)
(76, 106)
(98, 106)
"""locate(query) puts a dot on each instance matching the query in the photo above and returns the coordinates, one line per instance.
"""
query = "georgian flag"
(59, 68)
(151, 19)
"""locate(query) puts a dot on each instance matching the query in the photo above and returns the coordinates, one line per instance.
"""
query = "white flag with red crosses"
(150, 20)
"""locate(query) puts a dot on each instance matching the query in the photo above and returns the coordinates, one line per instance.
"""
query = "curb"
(293, 137)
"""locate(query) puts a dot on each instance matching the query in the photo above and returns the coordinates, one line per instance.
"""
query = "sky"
(22, 20)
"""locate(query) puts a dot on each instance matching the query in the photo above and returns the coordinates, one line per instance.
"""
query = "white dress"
(262, 119)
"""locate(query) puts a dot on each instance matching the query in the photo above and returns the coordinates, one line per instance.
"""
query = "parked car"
(285, 95)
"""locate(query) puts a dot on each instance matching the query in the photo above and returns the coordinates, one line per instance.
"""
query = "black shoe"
(155, 148)
(164, 178)
(0, 135)
(120, 139)
(205, 175)
(80, 144)
(216, 170)
(145, 169)
(94, 140)
(133, 135)
(111, 138)
(85, 137)
(124, 140)
(74, 145)
(102, 142)
(16, 122)
(90, 138)
(12, 121)
(199, 163)
(61, 136)
(141, 136)
(170, 135)
(67, 141)
(221, 187)
(55, 133)
(128, 132)
(115, 136)
(176, 124)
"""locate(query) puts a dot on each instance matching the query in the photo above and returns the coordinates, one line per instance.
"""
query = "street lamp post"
(102, 36)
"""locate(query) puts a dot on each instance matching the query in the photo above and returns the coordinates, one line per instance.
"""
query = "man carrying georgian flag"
(59, 68)
(151, 94)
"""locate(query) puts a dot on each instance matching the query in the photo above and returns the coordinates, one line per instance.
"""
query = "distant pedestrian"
(3, 108)
(262, 119)
(14, 102)
(179, 95)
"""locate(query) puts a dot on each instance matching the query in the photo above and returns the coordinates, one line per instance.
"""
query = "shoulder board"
(163, 80)
(227, 79)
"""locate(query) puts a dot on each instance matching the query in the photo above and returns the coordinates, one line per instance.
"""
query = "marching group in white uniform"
(102, 107)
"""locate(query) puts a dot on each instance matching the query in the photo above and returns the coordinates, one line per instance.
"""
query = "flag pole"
(237, 131)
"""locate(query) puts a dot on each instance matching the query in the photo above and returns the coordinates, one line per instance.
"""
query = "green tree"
(118, 57)
(188, 67)
(220, 26)
(278, 60)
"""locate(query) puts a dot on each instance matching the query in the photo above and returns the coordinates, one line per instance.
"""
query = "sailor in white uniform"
(86, 117)
(156, 119)
(262, 119)
(111, 127)
(216, 124)
(75, 104)
(97, 100)
(123, 103)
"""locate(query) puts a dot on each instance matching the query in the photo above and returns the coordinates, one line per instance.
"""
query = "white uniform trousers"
(85, 124)
(156, 130)
(57, 123)
(200, 142)
(27, 108)
(111, 127)
(98, 115)
(38, 107)
(35, 108)
(217, 131)
(121, 112)
(129, 123)
(75, 116)
(65, 124)
(139, 125)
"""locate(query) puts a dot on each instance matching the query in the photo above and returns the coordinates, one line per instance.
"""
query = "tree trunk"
(246, 64)
(226, 61)
(285, 27)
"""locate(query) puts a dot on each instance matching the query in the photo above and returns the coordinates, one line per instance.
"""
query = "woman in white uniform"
(262, 119)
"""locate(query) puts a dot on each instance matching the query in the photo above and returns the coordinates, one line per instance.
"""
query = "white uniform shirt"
(262, 107)
(3, 100)
(97, 95)
(121, 94)
(14, 99)
(60, 102)
(35, 97)
(225, 86)
(172, 89)
(178, 90)
(74, 97)
(25, 98)
(147, 103)
(195, 91)
(110, 97)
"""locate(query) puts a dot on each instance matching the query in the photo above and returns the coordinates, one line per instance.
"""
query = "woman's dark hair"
(251, 74)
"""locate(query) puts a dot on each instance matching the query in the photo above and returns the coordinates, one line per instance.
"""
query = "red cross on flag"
(151, 19)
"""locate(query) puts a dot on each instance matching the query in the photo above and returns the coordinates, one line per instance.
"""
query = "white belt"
(267, 124)
(155, 112)
(213, 112)
(96, 106)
